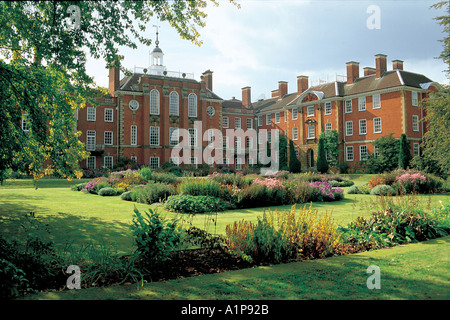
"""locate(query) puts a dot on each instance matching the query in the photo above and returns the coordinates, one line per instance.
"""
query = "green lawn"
(416, 271)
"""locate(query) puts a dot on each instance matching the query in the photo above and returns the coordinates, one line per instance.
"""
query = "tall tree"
(386, 157)
(331, 145)
(294, 163)
(404, 153)
(322, 163)
(43, 78)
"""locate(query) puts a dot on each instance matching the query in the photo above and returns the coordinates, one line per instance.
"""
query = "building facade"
(140, 120)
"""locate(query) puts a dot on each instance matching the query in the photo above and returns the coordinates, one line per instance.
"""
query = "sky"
(267, 41)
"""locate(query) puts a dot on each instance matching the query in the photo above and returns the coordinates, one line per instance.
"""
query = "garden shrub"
(12, 280)
(202, 187)
(145, 173)
(375, 181)
(107, 192)
(185, 203)
(323, 191)
(128, 195)
(237, 179)
(279, 236)
(391, 227)
(155, 237)
(383, 190)
(79, 186)
(154, 192)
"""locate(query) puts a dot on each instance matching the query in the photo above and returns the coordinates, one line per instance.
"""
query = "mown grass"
(418, 271)
(408, 272)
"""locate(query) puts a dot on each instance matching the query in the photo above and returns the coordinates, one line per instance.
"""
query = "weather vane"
(157, 27)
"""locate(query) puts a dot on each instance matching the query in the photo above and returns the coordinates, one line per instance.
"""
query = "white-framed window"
(154, 162)
(348, 106)
(192, 137)
(311, 131)
(225, 122)
(192, 105)
(415, 98)
(295, 133)
(25, 126)
(210, 135)
(133, 135)
(237, 123)
(363, 152)
(154, 136)
(226, 161)
(376, 151)
(249, 142)
(328, 126)
(260, 137)
(133, 159)
(174, 104)
(174, 136)
(296, 153)
(269, 136)
(362, 104)
(415, 123)
(268, 119)
(251, 161)
(154, 102)
(349, 153)
(108, 138)
(109, 115)
(193, 161)
(238, 144)
(327, 108)
(226, 142)
(285, 116)
(260, 121)
(91, 162)
(91, 137)
(376, 101)
(363, 126)
(348, 128)
(238, 164)
(91, 114)
(416, 149)
(377, 125)
(249, 123)
(277, 117)
(295, 114)
(310, 111)
(108, 162)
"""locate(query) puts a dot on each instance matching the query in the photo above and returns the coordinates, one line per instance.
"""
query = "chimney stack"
(302, 84)
(397, 64)
(380, 63)
(369, 71)
(352, 71)
(275, 93)
(207, 77)
(114, 78)
(282, 88)
(246, 96)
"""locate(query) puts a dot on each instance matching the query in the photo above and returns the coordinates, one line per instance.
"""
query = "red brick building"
(137, 121)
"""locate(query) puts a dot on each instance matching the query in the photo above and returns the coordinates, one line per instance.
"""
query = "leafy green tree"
(386, 158)
(331, 145)
(282, 158)
(43, 49)
(294, 163)
(322, 163)
(404, 154)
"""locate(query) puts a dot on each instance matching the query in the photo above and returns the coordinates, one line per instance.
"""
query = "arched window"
(154, 102)
(192, 105)
(173, 104)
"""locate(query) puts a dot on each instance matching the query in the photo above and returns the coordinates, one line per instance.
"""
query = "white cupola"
(156, 59)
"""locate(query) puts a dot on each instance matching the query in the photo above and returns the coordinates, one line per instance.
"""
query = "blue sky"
(266, 41)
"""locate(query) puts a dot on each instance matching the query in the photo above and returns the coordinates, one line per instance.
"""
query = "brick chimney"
(369, 71)
(380, 63)
(114, 79)
(302, 84)
(247, 96)
(282, 88)
(397, 64)
(207, 77)
(352, 71)
(275, 93)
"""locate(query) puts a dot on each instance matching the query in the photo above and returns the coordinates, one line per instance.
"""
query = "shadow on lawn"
(337, 278)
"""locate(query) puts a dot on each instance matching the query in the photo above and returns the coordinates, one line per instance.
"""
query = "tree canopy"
(43, 77)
